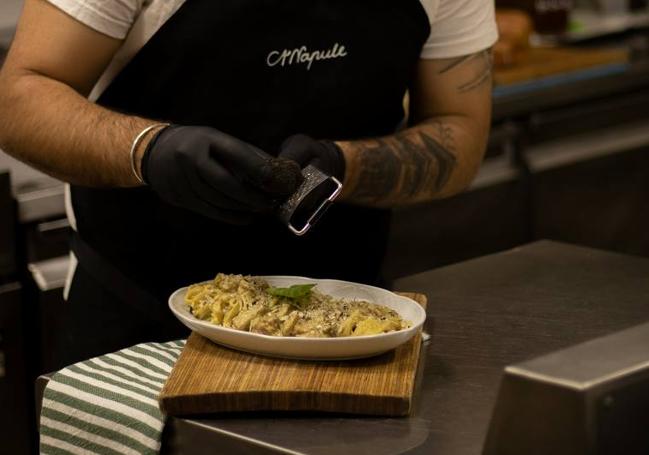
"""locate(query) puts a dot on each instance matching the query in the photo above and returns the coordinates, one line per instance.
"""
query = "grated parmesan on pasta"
(244, 303)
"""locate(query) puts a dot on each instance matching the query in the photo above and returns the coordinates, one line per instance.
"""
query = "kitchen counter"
(592, 32)
(483, 314)
(552, 92)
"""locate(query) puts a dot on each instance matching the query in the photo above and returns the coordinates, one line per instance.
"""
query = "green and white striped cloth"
(109, 404)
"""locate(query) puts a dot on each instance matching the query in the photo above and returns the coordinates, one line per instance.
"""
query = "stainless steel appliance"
(592, 398)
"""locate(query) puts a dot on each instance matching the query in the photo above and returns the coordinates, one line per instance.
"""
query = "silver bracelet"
(136, 143)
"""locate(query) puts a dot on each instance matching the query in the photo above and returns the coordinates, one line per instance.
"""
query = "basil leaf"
(296, 291)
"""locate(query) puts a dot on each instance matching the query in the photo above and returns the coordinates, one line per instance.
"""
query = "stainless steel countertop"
(483, 314)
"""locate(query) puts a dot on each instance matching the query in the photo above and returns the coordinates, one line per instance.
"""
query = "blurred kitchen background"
(568, 160)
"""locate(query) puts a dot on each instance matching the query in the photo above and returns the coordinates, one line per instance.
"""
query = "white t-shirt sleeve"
(110, 17)
(459, 27)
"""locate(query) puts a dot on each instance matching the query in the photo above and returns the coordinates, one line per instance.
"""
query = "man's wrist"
(147, 135)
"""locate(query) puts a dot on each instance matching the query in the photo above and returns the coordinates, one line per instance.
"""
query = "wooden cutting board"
(543, 62)
(209, 378)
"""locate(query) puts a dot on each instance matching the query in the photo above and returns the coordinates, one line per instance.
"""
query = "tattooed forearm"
(480, 66)
(440, 154)
(410, 166)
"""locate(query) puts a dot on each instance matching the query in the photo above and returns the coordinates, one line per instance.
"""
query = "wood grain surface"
(209, 378)
(542, 62)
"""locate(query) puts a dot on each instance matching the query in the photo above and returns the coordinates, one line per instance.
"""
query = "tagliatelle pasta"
(251, 304)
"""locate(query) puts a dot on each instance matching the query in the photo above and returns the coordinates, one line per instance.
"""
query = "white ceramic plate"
(312, 348)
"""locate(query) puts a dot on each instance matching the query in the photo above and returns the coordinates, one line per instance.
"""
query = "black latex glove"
(325, 155)
(216, 175)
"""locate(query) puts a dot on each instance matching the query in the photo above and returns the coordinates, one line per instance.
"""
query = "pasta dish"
(251, 304)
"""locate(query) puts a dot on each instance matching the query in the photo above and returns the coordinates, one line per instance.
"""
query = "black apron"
(248, 68)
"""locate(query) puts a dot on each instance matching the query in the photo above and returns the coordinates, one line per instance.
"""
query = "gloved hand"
(325, 155)
(216, 175)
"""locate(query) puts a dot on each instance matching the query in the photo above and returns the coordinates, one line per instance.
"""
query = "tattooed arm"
(450, 107)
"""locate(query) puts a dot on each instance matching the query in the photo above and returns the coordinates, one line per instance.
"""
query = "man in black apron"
(217, 90)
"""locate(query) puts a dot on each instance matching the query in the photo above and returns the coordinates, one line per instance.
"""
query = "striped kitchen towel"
(109, 404)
